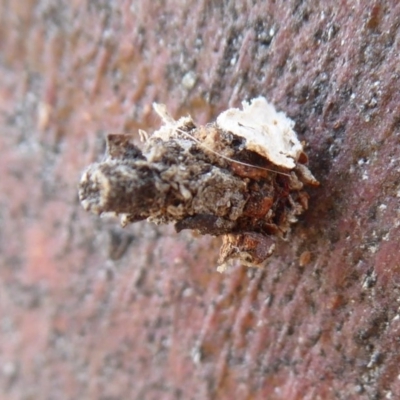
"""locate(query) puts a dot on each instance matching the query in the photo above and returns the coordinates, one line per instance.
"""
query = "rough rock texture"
(91, 310)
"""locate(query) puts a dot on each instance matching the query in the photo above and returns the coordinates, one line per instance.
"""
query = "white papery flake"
(267, 132)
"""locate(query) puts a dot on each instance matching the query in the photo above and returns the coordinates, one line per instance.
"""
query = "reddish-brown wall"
(89, 310)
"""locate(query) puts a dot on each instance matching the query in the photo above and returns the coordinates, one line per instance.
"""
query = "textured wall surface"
(89, 310)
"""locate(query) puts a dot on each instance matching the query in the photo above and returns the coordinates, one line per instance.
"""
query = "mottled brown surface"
(91, 311)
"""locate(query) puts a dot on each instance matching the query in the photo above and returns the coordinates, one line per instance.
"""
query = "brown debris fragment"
(305, 258)
(250, 248)
(220, 179)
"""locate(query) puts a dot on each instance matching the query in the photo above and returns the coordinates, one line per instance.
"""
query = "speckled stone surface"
(89, 310)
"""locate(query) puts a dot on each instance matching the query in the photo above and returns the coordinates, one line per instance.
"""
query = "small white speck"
(9, 369)
(189, 80)
(358, 389)
(389, 395)
(108, 34)
(188, 292)
(386, 237)
(196, 355)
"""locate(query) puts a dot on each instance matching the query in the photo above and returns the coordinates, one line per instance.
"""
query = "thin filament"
(228, 158)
